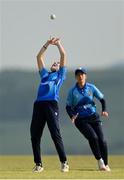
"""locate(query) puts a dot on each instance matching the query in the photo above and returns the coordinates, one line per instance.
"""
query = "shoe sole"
(65, 171)
(38, 171)
(105, 169)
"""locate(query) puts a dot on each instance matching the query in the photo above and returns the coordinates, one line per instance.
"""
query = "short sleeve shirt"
(81, 100)
(50, 84)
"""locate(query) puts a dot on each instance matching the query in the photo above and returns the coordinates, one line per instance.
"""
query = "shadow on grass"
(85, 169)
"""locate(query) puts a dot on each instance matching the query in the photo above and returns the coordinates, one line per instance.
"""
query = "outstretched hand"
(104, 113)
(74, 118)
(54, 41)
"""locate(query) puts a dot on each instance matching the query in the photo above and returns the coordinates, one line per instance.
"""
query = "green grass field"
(81, 167)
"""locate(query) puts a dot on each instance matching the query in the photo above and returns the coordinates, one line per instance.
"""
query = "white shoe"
(38, 169)
(107, 168)
(101, 165)
(64, 167)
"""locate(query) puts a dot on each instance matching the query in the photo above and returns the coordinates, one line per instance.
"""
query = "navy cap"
(82, 70)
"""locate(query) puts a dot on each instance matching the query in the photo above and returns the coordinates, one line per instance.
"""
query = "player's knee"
(56, 136)
(93, 138)
(103, 141)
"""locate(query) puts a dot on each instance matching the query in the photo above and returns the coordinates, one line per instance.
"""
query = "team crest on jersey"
(89, 93)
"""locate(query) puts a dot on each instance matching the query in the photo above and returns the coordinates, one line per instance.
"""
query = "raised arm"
(62, 52)
(40, 55)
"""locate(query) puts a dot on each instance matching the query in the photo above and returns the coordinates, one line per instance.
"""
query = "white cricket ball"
(52, 16)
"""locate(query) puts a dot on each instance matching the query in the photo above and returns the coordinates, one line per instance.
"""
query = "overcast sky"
(92, 32)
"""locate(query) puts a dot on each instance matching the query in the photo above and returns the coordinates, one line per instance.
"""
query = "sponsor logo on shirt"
(87, 106)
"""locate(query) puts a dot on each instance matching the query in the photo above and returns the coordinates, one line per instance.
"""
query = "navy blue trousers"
(46, 112)
(92, 131)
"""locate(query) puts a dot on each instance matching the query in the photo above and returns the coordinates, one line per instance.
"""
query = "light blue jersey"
(81, 99)
(50, 84)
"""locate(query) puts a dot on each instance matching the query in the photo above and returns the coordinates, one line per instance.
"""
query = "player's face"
(81, 78)
(55, 66)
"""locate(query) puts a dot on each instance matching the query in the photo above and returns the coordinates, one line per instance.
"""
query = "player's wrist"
(45, 47)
